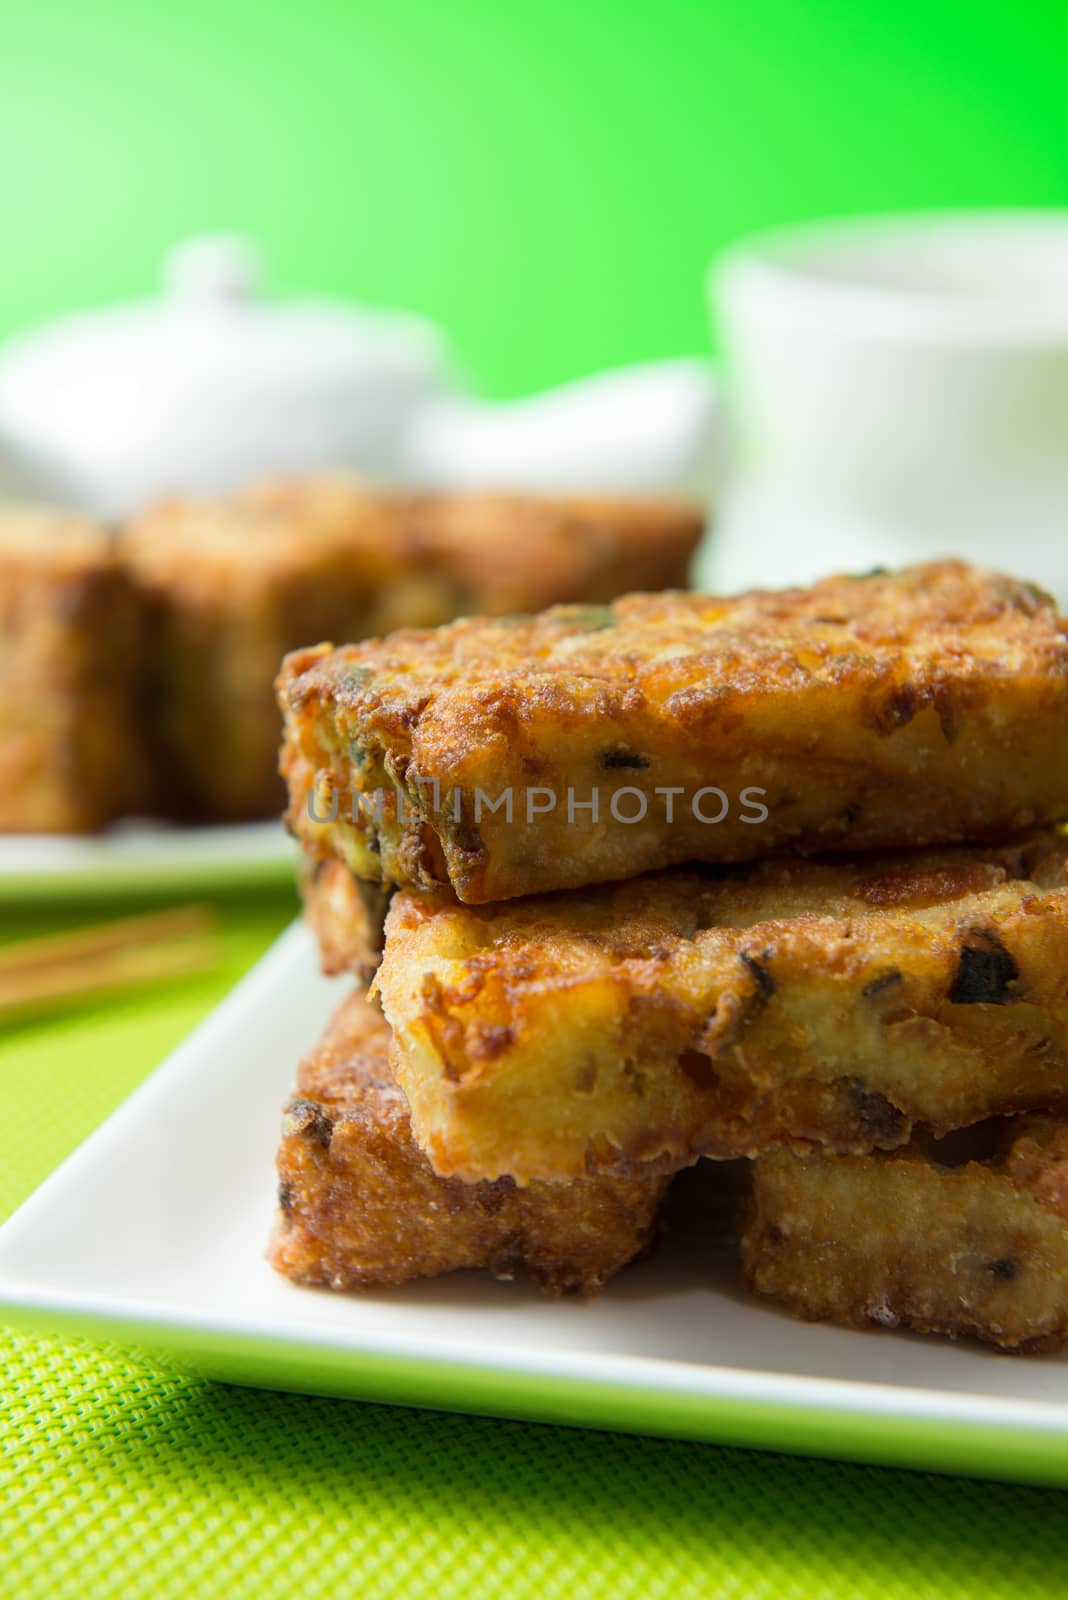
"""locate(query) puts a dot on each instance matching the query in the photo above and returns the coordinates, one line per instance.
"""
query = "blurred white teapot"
(211, 385)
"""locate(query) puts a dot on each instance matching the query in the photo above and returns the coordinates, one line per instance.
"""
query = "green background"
(549, 179)
(550, 182)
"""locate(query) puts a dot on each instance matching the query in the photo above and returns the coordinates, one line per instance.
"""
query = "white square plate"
(142, 855)
(152, 1234)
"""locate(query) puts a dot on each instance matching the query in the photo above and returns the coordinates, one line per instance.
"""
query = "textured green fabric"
(122, 1479)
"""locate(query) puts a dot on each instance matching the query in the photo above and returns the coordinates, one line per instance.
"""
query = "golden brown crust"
(70, 634)
(360, 1205)
(901, 709)
(513, 553)
(347, 917)
(230, 586)
(694, 1012)
(977, 1250)
(233, 584)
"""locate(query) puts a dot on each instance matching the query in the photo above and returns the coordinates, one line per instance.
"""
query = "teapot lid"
(211, 384)
(213, 323)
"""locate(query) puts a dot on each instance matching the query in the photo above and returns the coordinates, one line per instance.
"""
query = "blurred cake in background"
(136, 667)
(71, 759)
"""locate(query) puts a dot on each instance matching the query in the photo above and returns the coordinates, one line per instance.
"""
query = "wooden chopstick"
(130, 950)
(53, 949)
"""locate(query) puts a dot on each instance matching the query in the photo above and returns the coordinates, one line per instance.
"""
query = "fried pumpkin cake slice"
(360, 1205)
(978, 1248)
(508, 553)
(346, 916)
(590, 744)
(71, 757)
(230, 585)
(722, 1012)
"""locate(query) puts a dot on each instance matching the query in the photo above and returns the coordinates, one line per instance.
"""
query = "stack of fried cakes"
(775, 877)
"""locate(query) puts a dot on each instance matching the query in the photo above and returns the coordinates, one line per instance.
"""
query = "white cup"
(897, 390)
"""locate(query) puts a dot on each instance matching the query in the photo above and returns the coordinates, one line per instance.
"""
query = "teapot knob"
(221, 268)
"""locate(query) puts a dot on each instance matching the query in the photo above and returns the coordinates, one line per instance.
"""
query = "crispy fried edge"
(346, 1133)
(524, 1032)
(347, 917)
(901, 1241)
(916, 731)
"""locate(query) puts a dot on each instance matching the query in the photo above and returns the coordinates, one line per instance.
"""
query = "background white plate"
(142, 855)
(153, 1234)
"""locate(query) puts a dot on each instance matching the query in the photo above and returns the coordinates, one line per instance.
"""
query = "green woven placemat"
(119, 1478)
